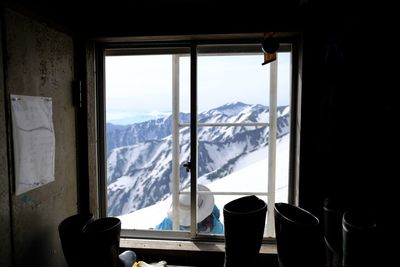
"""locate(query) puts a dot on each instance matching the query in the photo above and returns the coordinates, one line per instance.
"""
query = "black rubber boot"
(299, 238)
(360, 243)
(333, 214)
(244, 221)
(103, 242)
(72, 239)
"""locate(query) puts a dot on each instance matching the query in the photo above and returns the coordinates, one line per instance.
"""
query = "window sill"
(133, 243)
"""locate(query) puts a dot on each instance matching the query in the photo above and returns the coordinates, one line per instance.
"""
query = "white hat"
(205, 204)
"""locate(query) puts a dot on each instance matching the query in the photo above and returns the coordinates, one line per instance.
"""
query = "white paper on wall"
(33, 141)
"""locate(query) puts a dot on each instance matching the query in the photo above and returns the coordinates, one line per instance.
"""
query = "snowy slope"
(246, 177)
(138, 174)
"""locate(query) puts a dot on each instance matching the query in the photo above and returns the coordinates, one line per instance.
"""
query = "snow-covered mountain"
(139, 155)
(251, 166)
(124, 135)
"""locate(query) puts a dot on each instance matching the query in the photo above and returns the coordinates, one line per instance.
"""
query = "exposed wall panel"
(39, 62)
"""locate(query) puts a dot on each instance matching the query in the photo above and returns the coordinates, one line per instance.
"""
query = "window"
(182, 116)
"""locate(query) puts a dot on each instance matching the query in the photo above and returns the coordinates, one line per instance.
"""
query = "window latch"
(187, 165)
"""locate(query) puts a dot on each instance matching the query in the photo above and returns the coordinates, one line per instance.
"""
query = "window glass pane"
(282, 169)
(233, 89)
(184, 89)
(159, 216)
(138, 88)
(139, 137)
(283, 127)
(233, 158)
(229, 85)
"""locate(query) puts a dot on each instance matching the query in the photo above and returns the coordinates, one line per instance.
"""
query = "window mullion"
(272, 145)
(175, 142)
(193, 140)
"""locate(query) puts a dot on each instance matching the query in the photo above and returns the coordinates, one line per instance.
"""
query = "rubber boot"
(360, 243)
(244, 221)
(72, 239)
(333, 214)
(103, 242)
(299, 238)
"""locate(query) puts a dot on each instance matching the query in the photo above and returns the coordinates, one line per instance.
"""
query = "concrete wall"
(38, 61)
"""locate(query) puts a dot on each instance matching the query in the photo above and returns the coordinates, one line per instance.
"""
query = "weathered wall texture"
(39, 62)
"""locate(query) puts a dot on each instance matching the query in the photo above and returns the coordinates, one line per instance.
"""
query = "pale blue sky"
(140, 87)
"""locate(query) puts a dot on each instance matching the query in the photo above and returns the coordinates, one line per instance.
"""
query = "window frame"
(103, 49)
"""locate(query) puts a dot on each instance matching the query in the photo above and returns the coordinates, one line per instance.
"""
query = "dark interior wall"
(346, 109)
(5, 222)
(158, 17)
(38, 61)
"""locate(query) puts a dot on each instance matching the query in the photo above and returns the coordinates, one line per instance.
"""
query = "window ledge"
(133, 243)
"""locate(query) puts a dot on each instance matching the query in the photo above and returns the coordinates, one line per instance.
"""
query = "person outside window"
(207, 215)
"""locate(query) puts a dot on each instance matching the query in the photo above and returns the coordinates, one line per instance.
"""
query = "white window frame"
(193, 234)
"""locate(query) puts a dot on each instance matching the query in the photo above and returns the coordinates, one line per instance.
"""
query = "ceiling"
(180, 17)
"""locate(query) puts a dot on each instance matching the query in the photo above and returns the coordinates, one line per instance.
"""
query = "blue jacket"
(218, 227)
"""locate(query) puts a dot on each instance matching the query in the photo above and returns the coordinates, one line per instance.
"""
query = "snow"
(245, 178)
(123, 182)
(146, 218)
(228, 151)
(223, 150)
(285, 111)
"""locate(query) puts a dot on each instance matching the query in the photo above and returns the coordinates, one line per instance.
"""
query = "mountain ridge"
(144, 152)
